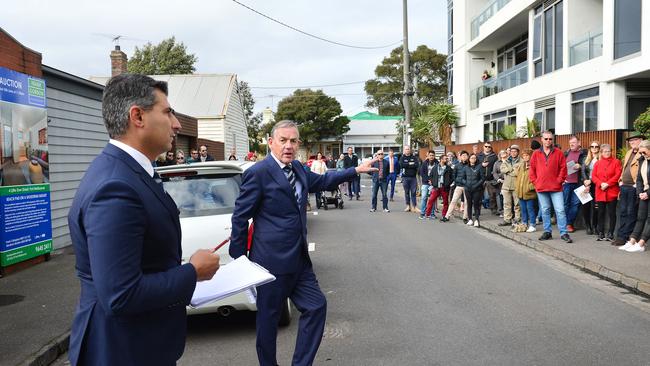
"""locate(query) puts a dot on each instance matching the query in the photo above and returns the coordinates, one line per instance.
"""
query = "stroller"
(331, 197)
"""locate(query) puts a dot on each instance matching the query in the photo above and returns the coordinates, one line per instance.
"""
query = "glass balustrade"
(492, 8)
(504, 81)
(586, 48)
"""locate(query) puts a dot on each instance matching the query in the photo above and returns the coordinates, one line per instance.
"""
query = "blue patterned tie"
(288, 172)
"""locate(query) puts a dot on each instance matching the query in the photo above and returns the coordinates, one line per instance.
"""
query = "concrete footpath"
(37, 304)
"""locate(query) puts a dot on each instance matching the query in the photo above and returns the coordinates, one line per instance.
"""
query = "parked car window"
(204, 195)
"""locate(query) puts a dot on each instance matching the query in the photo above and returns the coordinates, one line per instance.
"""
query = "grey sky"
(228, 38)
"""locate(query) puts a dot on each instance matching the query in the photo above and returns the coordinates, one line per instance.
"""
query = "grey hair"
(284, 124)
(123, 92)
(645, 144)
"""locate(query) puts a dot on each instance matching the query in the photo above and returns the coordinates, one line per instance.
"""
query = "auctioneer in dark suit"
(280, 245)
(127, 239)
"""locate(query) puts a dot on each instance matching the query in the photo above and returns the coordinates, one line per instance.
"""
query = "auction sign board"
(25, 216)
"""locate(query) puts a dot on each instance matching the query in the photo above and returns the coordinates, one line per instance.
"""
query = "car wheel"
(285, 316)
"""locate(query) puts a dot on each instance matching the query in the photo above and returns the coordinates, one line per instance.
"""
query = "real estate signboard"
(25, 218)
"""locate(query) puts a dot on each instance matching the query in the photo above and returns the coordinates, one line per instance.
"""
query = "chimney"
(118, 61)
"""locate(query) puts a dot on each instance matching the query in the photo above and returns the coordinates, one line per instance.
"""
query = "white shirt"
(135, 154)
(298, 184)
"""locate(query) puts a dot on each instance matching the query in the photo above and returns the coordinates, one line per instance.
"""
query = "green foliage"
(508, 132)
(642, 123)
(620, 154)
(435, 124)
(531, 129)
(254, 128)
(247, 101)
(165, 58)
(428, 73)
(318, 116)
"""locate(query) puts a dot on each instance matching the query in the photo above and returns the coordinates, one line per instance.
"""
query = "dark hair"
(463, 152)
(123, 92)
(431, 152)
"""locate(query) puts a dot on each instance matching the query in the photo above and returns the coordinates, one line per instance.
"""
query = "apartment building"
(572, 65)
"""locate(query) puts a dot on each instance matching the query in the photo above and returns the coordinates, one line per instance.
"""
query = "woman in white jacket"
(318, 166)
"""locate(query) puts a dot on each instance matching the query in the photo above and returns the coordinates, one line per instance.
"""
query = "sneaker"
(570, 229)
(636, 248)
(465, 221)
(476, 224)
(626, 246)
(372, 210)
(546, 236)
(566, 238)
(407, 209)
(601, 237)
(470, 223)
(609, 237)
(433, 217)
(531, 229)
(444, 219)
(386, 210)
(421, 217)
(505, 223)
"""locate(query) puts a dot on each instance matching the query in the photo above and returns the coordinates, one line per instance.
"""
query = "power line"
(313, 35)
(307, 86)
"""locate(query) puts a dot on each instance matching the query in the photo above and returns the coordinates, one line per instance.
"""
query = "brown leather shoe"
(618, 242)
(570, 228)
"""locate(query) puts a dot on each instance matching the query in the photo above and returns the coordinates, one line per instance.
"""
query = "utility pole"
(407, 82)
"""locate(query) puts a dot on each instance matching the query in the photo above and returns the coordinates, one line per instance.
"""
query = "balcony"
(492, 8)
(506, 80)
(586, 47)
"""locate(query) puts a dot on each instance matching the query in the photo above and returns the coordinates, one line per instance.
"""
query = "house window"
(545, 119)
(548, 38)
(627, 27)
(513, 54)
(495, 124)
(584, 110)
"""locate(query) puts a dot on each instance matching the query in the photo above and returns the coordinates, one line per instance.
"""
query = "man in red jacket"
(547, 172)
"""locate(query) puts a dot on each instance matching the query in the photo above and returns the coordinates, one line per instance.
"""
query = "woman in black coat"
(472, 179)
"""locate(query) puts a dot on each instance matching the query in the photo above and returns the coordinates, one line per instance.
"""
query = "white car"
(205, 194)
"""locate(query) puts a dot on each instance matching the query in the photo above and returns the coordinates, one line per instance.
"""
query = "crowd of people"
(526, 187)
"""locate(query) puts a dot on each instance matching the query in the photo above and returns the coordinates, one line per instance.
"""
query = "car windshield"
(204, 195)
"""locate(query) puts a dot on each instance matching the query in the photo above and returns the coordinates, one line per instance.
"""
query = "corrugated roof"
(375, 127)
(198, 95)
(373, 117)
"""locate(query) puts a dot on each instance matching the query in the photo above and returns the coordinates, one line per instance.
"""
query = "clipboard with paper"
(583, 194)
(237, 276)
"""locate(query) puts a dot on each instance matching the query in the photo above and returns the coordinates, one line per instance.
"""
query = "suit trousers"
(392, 177)
(459, 192)
(510, 204)
(376, 186)
(303, 290)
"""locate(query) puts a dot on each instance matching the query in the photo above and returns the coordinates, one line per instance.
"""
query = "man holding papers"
(274, 194)
(127, 238)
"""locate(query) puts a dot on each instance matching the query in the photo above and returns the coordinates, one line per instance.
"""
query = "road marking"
(315, 213)
(311, 247)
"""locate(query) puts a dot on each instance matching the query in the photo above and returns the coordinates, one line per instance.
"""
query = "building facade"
(570, 65)
(370, 132)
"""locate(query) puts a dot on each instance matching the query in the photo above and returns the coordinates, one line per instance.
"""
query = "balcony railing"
(586, 47)
(492, 8)
(506, 80)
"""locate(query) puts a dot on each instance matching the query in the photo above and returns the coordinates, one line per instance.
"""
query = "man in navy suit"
(274, 194)
(380, 181)
(127, 238)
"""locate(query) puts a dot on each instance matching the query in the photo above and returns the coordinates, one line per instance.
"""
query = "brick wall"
(17, 57)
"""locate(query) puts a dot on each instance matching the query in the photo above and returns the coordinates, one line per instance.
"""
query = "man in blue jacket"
(380, 181)
(127, 238)
(274, 194)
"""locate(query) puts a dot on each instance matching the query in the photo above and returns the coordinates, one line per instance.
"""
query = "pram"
(331, 197)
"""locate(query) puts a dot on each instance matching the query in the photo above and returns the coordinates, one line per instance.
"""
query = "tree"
(318, 116)
(435, 124)
(165, 58)
(428, 74)
(254, 128)
(247, 101)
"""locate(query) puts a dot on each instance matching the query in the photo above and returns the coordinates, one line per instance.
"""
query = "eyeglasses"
(204, 150)
(380, 153)
(195, 152)
(644, 153)
(547, 138)
(488, 146)
(181, 158)
(595, 147)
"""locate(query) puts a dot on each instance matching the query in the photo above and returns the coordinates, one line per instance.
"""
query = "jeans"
(392, 177)
(376, 186)
(545, 201)
(628, 201)
(433, 197)
(425, 189)
(353, 187)
(609, 209)
(410, 185)
(571, 202)
(528, 215)
(642, 227)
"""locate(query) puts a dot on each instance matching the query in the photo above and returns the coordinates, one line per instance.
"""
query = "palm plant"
(508, 132)
(531, 129)
(443, 117)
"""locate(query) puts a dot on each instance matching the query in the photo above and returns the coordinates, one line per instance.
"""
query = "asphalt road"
(403, 291)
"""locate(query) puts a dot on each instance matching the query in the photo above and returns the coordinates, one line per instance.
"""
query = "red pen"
(220, 245)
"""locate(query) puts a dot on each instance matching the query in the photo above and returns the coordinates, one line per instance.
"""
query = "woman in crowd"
(525, 191)
(472, 179)
(459, 190)
(440, 184)
(605, 176)
(589, 213)
(318, 166)
(641, 232)
(180, 157)
(498, 179)
(426, 171)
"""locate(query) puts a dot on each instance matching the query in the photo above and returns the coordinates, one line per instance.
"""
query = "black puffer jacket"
(471, 177)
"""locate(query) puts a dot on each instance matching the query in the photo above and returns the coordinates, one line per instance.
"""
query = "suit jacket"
(127, 238)
(396, 165)
(280, 235)
(375, 175)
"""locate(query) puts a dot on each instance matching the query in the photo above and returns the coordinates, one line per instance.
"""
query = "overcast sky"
(228, 38)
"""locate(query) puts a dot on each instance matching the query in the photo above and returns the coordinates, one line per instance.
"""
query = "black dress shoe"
(566, 238)
(618, 242)
(546, 236)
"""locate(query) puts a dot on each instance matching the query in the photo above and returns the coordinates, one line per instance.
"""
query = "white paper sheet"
(583, 194)
(234, 277)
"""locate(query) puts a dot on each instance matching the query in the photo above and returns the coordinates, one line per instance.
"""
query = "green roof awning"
(373, 116)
